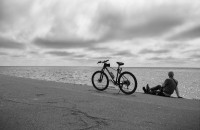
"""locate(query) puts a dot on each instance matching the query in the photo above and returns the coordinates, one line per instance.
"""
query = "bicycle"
(126, 81)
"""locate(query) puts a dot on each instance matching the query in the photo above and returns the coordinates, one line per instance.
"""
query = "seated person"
(166, 89)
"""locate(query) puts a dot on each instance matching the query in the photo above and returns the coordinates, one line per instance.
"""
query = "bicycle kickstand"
(119, 91)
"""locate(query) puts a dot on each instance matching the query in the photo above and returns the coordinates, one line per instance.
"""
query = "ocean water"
(188, 78)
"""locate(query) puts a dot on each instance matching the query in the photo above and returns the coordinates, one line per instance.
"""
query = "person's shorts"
(163, 94)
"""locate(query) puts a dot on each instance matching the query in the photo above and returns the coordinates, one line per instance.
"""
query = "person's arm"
(177, 92)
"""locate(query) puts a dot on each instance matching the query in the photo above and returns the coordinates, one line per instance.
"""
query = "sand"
(29, 104)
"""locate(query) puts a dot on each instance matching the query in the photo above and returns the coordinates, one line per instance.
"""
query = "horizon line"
(99, 66)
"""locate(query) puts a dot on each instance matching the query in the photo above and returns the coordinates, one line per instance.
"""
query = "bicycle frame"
(126, 81)
(119, 69)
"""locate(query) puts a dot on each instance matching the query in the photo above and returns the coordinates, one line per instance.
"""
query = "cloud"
(125, 53)
(192, 53)
(66, 54)
(18, 56)
(174, 45)
(33, 52)
(59, 53)
(101, 57)
(3, 53)
(11, 12)
(154, 21)
(109, 51)
(150, 51)
(168, 60)
(109, 23)
(96, 29)
(155, 27)
(99, 49)
(105, 55)
(63, 43)
(195, 56)
(10, 44)
(189, 34)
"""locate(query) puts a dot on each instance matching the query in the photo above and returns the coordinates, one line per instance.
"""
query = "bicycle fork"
(100, 78)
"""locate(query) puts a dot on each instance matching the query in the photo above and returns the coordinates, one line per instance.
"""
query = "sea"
(188, 78)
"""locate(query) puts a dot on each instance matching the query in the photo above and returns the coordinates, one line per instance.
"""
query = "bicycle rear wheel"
(100, 80)
(127, 82)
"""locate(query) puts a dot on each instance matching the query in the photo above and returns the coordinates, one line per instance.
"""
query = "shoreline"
(191, 98)
(38, 104)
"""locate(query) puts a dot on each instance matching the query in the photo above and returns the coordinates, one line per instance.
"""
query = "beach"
(188, 78)
(47, 105)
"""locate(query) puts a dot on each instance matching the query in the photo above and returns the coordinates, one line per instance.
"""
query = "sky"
(140, 33)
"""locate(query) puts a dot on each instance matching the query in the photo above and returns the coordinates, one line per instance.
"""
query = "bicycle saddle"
(120, 63)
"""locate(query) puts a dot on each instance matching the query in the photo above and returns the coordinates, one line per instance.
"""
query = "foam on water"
(189, 83)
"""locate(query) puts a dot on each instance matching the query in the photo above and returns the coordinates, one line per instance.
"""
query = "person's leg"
(158, 87)
(144, 89)
(162, 94)
(153, 90)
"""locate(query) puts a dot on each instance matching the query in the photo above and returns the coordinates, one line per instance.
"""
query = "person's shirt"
(169, 86)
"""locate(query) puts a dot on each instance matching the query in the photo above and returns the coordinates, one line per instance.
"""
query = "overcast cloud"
(81, 32)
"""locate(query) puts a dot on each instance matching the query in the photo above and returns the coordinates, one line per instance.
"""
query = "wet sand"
(44, 105)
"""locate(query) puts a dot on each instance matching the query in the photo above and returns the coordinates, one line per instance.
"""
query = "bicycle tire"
(98, 81)
(123, 80)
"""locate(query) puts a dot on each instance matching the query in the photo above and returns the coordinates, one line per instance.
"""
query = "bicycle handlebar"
(102, 61)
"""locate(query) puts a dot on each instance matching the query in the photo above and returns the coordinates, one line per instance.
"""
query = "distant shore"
(46, 105)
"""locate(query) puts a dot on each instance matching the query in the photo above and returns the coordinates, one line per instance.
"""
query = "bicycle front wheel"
(100, 80)
(127, 82)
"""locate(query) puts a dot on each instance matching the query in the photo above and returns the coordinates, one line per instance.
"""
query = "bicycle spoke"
(128, 83)
(100, 80)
